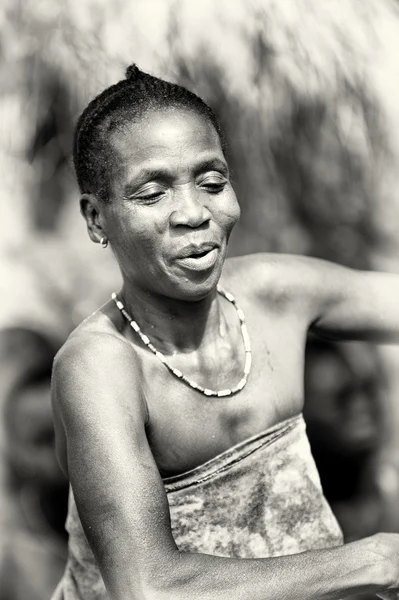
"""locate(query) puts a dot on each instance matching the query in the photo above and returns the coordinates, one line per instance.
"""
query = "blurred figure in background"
(345, 411)
(34, 489)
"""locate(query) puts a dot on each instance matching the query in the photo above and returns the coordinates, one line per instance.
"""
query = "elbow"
(173, 580)
(170, 578)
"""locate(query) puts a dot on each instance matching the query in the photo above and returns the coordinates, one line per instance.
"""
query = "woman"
(190, 470)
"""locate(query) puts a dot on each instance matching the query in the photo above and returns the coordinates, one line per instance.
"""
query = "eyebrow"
(155, 174)
(212, 163)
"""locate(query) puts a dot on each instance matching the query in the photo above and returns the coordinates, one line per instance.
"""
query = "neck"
(175, 325)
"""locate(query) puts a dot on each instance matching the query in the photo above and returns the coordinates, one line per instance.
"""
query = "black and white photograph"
(199, 309)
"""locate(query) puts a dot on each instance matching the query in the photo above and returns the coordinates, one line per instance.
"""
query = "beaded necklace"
(179, 374)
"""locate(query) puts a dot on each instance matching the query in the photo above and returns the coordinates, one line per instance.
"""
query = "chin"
(195, 288)
(194, 291)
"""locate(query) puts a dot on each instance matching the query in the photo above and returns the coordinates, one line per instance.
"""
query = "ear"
(92, 211)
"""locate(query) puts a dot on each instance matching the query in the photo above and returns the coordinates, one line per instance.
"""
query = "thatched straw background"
(306, 91)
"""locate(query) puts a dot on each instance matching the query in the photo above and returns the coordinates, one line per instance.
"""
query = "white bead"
(241, 384)
(247, 341)
(208, 392)
(248, 363)
(224, 393)
(240, 314)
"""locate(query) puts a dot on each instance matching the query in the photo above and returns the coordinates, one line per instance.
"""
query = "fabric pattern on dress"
(260, 498)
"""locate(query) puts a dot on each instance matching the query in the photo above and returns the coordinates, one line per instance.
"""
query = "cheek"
(229, 212)
(140, 243)
(137, 234)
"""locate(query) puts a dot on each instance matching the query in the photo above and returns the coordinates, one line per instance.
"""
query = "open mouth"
(199, 261)
(199, 254)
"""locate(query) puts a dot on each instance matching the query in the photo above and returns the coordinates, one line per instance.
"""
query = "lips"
(198, 257)
(196, 250)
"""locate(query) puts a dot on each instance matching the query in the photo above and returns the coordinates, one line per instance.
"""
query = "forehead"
(167, 137)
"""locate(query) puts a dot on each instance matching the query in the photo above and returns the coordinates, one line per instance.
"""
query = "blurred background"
(307, 91)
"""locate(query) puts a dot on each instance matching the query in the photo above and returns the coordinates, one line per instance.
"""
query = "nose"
(190, 210)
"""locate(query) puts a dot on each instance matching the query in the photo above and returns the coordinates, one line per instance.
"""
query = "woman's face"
(172, 207)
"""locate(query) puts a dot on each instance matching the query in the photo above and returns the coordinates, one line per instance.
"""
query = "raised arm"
(101, 439)
(336, 302)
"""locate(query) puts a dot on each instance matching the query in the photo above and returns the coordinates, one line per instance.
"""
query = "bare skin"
(122, 421)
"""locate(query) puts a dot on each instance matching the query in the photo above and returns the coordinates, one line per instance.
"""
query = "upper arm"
(117, 487)
(333, 300)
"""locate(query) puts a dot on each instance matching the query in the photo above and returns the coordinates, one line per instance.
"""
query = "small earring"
(104, 242)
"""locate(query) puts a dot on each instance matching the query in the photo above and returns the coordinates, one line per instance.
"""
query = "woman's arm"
(335, 301)
(123, 507)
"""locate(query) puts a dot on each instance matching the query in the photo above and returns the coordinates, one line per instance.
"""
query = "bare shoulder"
(96, 380)
(284, 280)
(93, 346)
(267, 275)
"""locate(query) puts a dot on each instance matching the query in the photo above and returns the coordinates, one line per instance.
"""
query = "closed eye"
(214, 188)
(148, 195)
(214, 184)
